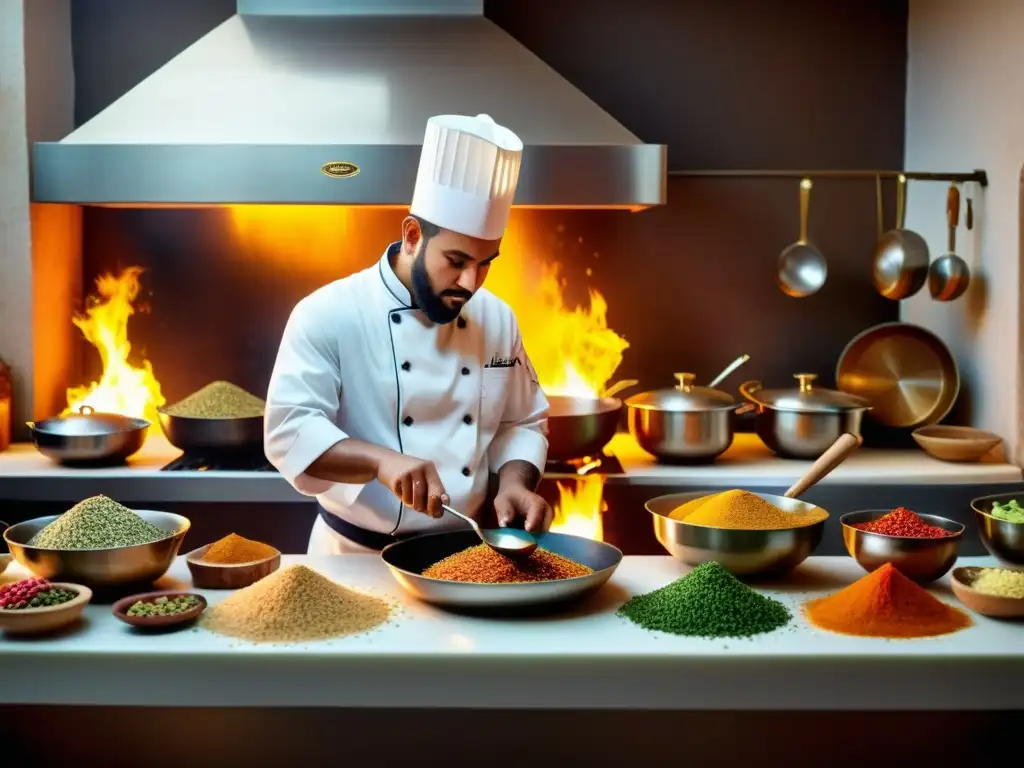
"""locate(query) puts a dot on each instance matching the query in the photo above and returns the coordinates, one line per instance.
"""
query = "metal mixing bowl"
(922, 560)
(1004, 540)
(743, 552)
(99, 567)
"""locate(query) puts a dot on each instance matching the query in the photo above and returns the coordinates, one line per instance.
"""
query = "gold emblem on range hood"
(339, 169)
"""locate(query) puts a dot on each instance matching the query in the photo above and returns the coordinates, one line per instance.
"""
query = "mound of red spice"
(904, 523)
(885, 603)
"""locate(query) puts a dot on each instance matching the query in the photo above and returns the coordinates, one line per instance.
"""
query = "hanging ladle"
(949, 275)
(801, 269)
(899, 266)
(510, 542)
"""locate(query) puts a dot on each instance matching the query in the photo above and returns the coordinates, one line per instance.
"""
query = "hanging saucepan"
(579, 427)
(802, 423)
(89, 437)
(685, 423)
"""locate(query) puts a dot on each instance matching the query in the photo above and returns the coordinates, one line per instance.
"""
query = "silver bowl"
(1004, 540)
(742, 552)
(99, 567)
(408, 559)
(923, 560)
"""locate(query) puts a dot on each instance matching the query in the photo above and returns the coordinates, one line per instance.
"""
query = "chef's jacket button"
(406, 366)
(467, 419)
(466, 472)
(465, 371)
(461, 322)
(407, 421)
(396, 318)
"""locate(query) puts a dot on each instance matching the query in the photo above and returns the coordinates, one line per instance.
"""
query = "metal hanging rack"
(977, 176)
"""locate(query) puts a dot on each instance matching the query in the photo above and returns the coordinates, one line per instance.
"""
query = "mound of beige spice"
(218, 400)
(294, 605)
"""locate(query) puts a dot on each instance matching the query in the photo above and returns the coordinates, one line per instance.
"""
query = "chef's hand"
(414, 481)
(519, 503)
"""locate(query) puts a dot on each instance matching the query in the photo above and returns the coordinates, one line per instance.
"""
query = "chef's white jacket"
(358, 360)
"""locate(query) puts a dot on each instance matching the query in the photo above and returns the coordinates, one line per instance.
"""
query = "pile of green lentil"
(218, 400)
(163, 606)
(707, 602)
(97, 523)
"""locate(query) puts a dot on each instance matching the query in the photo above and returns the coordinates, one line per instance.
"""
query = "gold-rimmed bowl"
(1002, 538)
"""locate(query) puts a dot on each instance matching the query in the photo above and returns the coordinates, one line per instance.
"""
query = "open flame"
(122, 388)
(580, 506)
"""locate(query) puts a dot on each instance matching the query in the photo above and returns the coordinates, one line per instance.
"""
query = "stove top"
(246, 462)
(601, 465)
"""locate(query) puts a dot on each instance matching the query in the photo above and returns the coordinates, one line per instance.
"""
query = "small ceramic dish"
(961, 444)
(120, 610)
(32, 620)
(228, 575)
(987, 605)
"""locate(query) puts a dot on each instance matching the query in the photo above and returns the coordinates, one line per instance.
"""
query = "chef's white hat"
(467, 177)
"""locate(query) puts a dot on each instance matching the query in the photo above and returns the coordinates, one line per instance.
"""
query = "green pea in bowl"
(1004, 539)
(141, 564)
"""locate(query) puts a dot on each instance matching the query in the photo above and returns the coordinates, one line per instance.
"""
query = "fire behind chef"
(401, 387)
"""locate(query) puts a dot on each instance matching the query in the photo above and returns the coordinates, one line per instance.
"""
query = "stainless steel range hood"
(326, 101)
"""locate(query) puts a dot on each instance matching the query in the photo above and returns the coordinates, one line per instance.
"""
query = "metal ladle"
(949, 275)
(801, 269)
(728, 371)
(900, 262)
(510, 542)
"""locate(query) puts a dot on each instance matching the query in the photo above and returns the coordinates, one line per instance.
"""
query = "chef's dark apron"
(355, 534)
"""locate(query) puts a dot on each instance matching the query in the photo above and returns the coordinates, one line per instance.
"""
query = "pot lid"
(685, 396)
(806, 397)
(88, 422)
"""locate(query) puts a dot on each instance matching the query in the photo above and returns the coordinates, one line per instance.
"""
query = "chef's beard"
(431, 303)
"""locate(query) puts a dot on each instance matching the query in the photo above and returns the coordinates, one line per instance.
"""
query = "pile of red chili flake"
(904, 523)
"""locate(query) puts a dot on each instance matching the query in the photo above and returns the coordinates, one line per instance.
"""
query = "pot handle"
(745, 408)
(86, 410)
(748, 388)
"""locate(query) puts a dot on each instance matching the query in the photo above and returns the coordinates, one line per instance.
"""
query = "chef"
(402, 387)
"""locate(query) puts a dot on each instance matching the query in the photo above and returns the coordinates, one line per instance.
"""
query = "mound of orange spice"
(233, 549)
(885, 603)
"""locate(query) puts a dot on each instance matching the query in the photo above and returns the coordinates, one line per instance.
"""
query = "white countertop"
(27, 475)
(586, 659)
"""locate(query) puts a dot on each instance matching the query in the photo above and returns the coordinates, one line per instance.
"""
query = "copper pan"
(906, 372)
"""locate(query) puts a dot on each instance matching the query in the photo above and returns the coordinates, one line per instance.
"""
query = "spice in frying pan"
(743, 510)
(885, 603)
(234, 549)
(97, 523)
(707, 602)
(904, 523)
(482, 565)
(218, 400)
(294, 605)
(1000, 582)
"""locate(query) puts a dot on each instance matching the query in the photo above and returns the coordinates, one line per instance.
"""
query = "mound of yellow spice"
(294, 605)
(743, 510)
(234, 549)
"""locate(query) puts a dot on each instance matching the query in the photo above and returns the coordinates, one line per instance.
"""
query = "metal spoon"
(949, 275)
(728, 371)
(900, 262)
(801, 269)
(510, 542)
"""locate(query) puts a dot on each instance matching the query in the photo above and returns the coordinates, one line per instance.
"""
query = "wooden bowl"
(955, 443)
(228, 575)
(987, 605)
(31, 620)
(120, 610)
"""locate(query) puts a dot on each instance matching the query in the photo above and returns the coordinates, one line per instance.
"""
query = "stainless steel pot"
(89, 437)
(580, 427)
(685, 423)
(802, 423)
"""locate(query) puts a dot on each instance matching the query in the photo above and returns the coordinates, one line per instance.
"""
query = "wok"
(88, 437)
(193, 435)
(581, 426)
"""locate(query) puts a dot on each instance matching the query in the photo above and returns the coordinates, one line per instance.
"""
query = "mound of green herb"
(707, 602)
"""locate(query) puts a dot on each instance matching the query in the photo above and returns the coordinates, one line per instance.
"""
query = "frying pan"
(409, 558)
(193, 435)
(582, 426)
